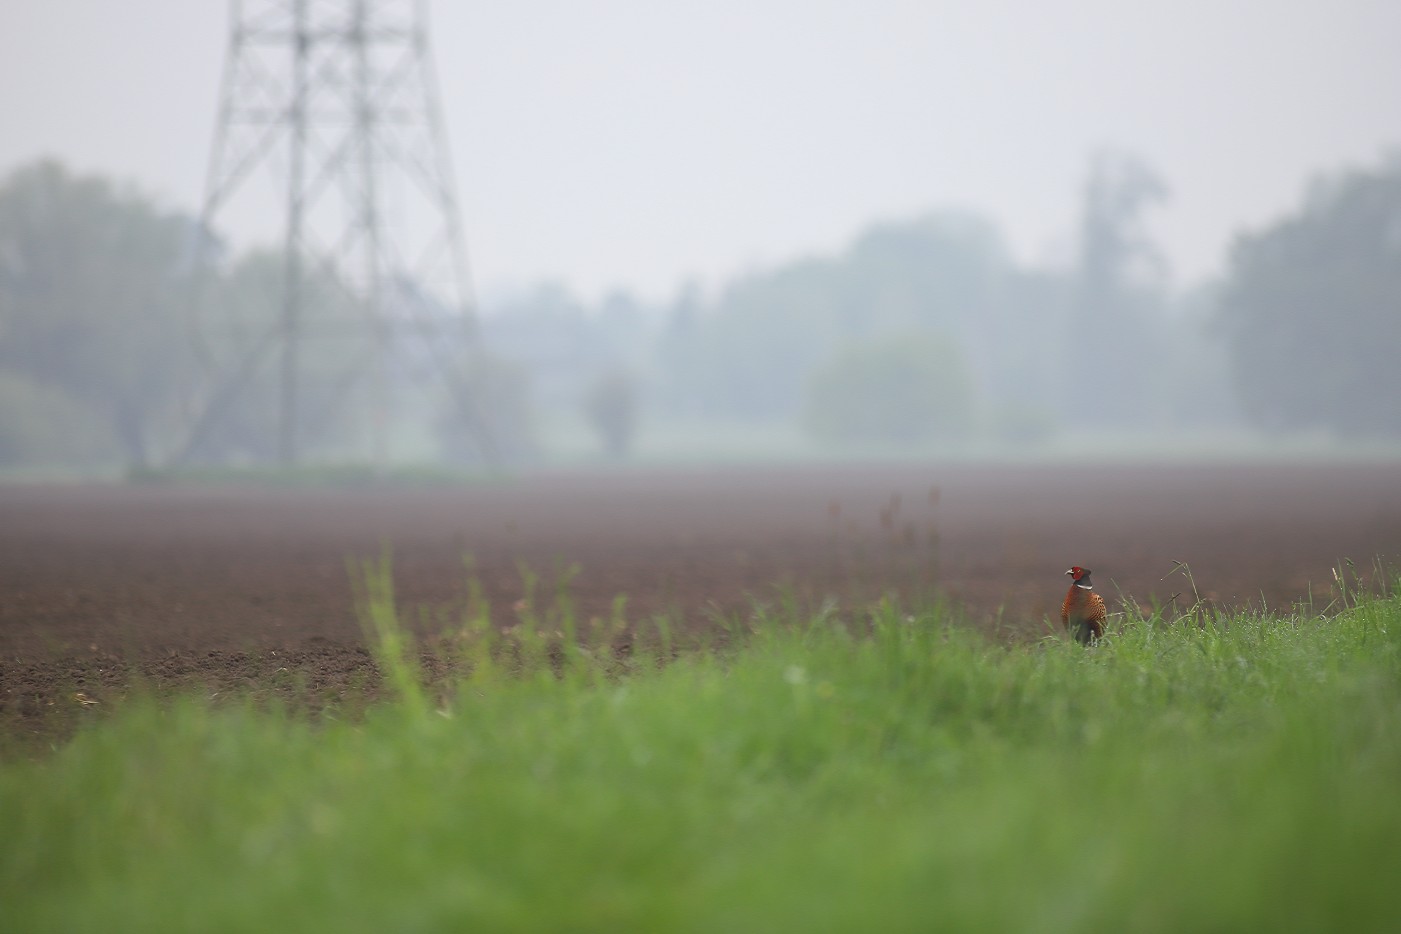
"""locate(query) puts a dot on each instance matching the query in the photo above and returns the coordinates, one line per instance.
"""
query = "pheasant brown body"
(1083, 613)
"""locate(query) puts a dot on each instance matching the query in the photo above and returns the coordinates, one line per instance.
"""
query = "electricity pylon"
(337, 101)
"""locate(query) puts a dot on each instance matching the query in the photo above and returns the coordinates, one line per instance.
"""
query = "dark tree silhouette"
(1311, 310)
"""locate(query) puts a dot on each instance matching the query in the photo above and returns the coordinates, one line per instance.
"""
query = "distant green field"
(888, 772)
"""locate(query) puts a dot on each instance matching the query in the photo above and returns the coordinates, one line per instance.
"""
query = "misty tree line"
(128, 335)
(922, 331)
(928, 330)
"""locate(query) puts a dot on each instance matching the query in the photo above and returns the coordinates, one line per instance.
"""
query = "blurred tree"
(748, 355)
(766, 331)
(1114, 357)
(1114, 249)
(679, 367)
(627, 329)
(487, 421)
(1311, 310)
(906, 389)
(945, 270)
(42, 426)
(611, 408)
(1022, 423)
(1197, 392)
(90, 286)
(550, 331)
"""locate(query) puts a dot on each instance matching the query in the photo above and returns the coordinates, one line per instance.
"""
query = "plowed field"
(226, 586)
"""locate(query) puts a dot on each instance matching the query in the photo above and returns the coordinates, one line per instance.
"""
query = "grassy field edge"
(894, 771)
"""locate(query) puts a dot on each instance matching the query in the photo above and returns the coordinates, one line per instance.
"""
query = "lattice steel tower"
(337, 101)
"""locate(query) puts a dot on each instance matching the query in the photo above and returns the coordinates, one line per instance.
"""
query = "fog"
(769, 230)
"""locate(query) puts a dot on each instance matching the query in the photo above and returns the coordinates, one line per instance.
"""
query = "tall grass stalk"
(393, 645)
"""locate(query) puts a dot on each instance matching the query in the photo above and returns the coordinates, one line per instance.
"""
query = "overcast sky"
(640, 142)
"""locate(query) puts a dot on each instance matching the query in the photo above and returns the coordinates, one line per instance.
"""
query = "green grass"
(888, 773)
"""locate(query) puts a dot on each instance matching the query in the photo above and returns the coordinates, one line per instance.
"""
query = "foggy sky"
(638, 142)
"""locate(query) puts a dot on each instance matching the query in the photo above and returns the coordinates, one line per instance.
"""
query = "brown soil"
(231, 587)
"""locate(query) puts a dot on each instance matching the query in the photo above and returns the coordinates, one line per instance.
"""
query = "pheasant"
(1083, 613)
